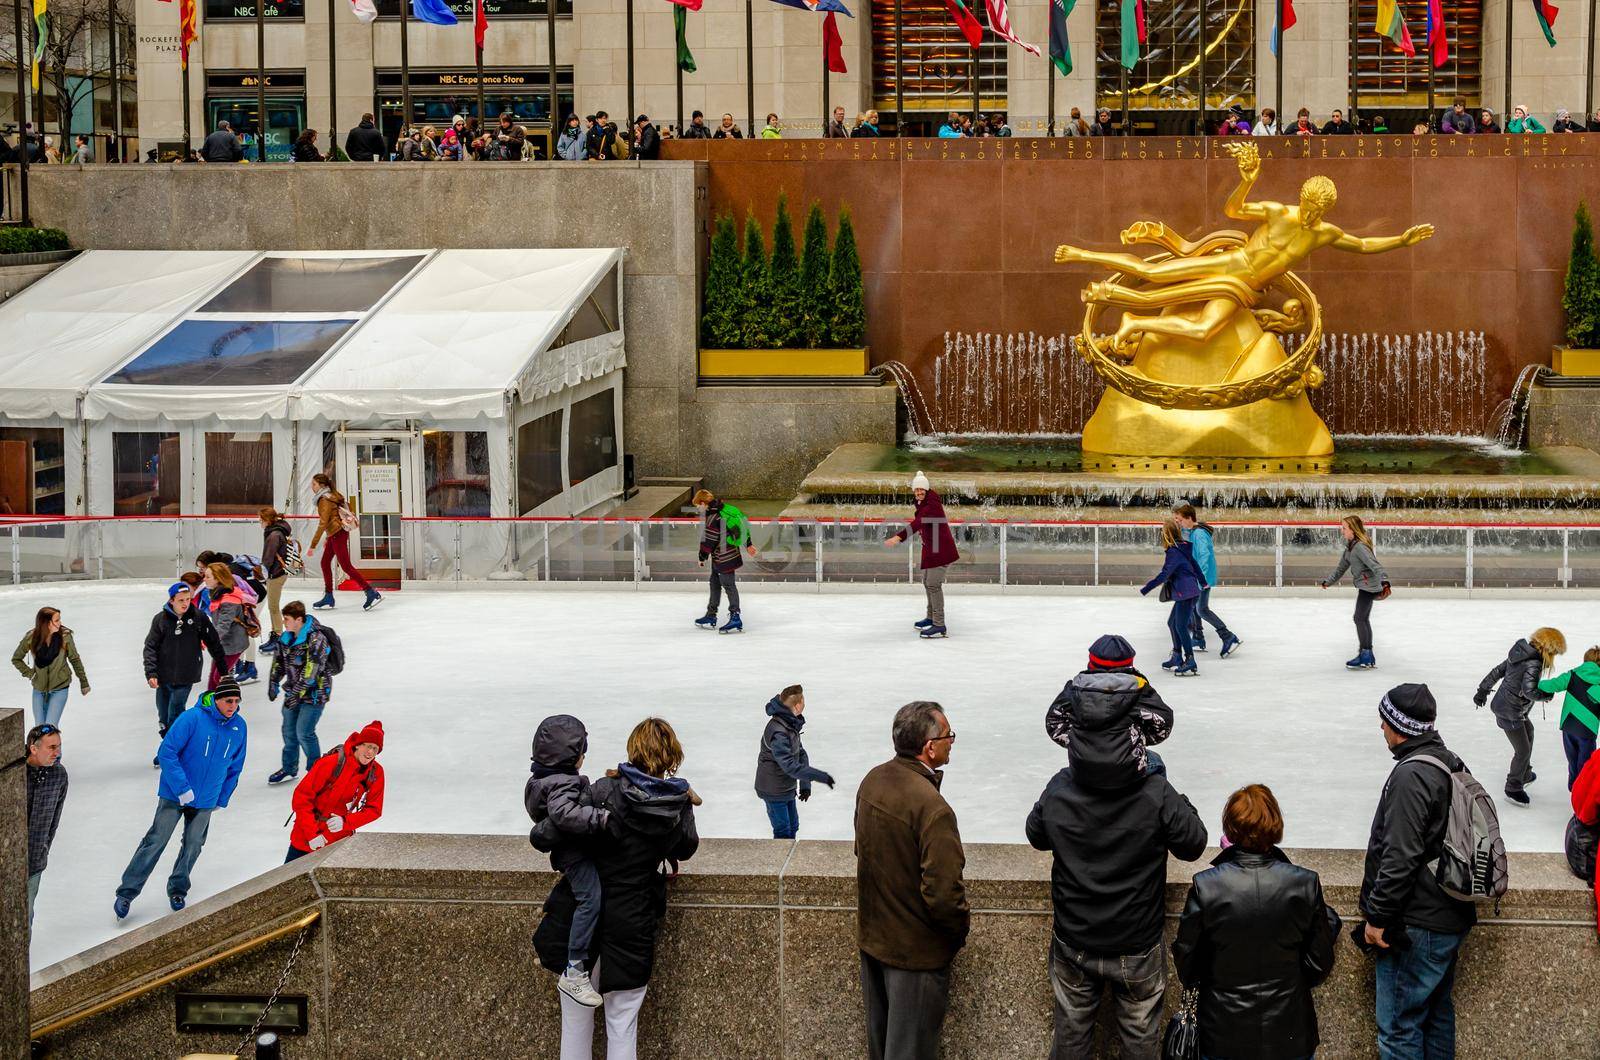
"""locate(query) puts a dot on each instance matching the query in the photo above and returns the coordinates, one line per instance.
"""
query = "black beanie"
(1409, 709)
(1110, 652)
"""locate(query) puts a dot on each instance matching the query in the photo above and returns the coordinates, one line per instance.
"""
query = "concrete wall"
(422, 950)
(13, 278)
(1564, 416)
(13, 888)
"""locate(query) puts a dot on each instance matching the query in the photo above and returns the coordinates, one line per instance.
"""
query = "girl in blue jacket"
(1183, 578)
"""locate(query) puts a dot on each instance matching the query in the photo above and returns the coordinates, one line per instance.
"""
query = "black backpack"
(335, 664)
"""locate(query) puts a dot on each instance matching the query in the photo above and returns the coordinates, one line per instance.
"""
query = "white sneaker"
(574, 983)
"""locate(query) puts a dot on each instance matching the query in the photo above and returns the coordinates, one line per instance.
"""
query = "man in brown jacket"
(912, 905)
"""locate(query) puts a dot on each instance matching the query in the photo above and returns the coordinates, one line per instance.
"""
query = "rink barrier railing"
(1265, 553)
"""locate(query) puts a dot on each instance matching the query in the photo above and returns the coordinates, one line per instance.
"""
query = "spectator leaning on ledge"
(365, 143)
(912, 914)
(773, 130)
(222, 145)
(1458, 120)
(727, 130)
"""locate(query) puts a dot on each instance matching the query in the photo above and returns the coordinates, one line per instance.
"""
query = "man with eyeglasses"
(47, 793)
(912, 916)
(201, 758)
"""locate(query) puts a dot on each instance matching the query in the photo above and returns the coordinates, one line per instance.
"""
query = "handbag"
(1166, 593)
(1182, 1040)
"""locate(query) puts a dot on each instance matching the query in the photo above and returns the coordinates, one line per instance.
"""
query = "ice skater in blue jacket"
(1199, 535)
(1183, 580)
(201, 758)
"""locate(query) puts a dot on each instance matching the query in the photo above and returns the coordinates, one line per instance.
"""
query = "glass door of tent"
(377, 474)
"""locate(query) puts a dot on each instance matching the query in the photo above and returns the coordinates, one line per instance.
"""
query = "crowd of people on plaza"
(1255, 936)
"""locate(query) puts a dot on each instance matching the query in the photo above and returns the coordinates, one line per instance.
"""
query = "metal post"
(1124, 98)
(177, 547)
(825, 100)
(555, 98)
(333, 83)
(22, 163)
(638, 553)
(1355, 65)
(677, 71)
(1200, 118)
(458, 552)
(631, 110)
(405, 70)
(1004, 533)
(1505, 113)
(1431, 105)
(1588, 70)
(899, 75)
(1277, 88)
(750, 66)
(546, 551)
(1050, 94)
(116, 83)
(100, 551)
(818, 528)
(977, 102)
(482, 117)
(261, 80)
(1277, 544)
(1097, 555)
(1566, 557)
(1472, 535)
(16, 540)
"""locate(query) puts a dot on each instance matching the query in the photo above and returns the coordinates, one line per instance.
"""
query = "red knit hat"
(373, 733)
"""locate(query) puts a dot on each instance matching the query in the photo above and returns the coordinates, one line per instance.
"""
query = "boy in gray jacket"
(557, 797)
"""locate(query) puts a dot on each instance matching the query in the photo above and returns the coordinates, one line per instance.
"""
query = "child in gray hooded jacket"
(557, 797)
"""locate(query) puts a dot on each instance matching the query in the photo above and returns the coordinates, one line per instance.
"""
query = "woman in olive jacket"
(52, 652)
(1254, 938)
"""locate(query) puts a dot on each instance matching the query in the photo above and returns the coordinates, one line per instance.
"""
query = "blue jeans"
(1578, 746)
(33, 894)
(1178, 622)
(48, 706)
(785, 817)
(168, 813)
(300, 732)
(1416, 1013)
(1202, 610)
(584, 879)
(171, 700)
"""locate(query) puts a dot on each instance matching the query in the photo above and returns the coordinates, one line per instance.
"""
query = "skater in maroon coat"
(938, 551)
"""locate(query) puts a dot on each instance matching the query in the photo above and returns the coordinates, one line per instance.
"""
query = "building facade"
(933, 74)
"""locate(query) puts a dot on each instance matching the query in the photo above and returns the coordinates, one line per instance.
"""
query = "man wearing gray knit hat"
(1412, 926)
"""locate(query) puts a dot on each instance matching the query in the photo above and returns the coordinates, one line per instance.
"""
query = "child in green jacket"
(1580, 711)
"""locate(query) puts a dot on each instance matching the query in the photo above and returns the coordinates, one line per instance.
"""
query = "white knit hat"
(919, 481)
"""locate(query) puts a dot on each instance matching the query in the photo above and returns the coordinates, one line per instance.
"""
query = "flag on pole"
(1438, 40)
(436, 12)
(480, 22)
(680, 22)
(1133, 30)
(817, 6)
(41, 29)
(1391, 23)
(1060, 48)
(1288, 23)
(366, 11)
(1547, 19)
(833, 44)
(1000, 25)
(692, 5)
(966, 21)
(186, 29)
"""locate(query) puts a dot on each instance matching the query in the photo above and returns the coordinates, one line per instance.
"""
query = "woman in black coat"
(1255, 937)
(651, 823)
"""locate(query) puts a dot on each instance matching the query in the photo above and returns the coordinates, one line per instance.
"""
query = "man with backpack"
(1414, 899)
(723, 533)
(309, 655)
(342, 791)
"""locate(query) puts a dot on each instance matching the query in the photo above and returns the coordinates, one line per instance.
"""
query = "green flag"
(1060, 49)
(680, 19)
(1132, 32)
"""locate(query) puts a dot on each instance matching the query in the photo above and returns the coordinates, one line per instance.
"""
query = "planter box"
(724, 364)
(1568, 361)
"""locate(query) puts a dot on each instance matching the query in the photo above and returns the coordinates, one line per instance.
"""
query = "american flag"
(1000, 24)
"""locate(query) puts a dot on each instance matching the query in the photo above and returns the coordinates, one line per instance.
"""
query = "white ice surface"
(460, 679)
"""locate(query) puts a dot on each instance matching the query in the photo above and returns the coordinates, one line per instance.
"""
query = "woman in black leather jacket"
(1255, 937)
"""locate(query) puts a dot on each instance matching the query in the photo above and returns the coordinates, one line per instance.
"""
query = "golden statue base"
(1276, 427)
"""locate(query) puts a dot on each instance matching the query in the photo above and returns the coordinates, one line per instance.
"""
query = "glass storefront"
(437, 96)
(232, 98)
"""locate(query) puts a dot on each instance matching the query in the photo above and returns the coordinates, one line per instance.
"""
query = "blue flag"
(434, 11)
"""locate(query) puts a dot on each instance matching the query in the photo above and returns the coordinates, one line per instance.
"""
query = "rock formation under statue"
(1196, 368)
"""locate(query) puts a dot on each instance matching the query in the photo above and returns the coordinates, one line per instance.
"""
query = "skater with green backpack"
(723, 534)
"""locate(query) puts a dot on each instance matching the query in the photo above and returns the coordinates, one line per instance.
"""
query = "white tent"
(447, 384)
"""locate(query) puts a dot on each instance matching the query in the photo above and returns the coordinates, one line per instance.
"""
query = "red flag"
(1438, 40)
(692, 5)
(1138, 15)
(480, 23)
(186, 30)
(833, 44)
(966, 20)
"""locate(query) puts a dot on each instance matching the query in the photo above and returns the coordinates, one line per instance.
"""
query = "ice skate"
(268, 646)
(1230, 644)
(1518, 797)
(708, 621)
(120, 907)
(922, 623)
(1362, 661)
(246, 673)
(374, 598)
(930, 631)
(1175, 661)
(733, 625)
(282, 776)
(177, 901)
(1200, 644)
(326, 601)
(574, 983)
(1187, 668)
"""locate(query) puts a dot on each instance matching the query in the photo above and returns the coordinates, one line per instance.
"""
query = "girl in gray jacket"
(1371, 583)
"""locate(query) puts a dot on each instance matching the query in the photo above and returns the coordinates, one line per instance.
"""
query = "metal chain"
(283, 979)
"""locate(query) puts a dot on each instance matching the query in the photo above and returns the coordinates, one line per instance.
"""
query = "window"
(538, 461)
(226, 10)
(937, 62)
(1166, 77)
(312, 285)
(233, 352)
(592, 446)
(1389, 77)
(144, 473)
(33, 472)
(238, 472)
(456, 472)
(596, 316)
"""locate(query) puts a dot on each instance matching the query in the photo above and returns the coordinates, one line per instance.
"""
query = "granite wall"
(1564, 415)
(422, 950)
(13, 888)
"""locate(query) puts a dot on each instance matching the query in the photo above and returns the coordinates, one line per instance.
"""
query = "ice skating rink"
(460, 679)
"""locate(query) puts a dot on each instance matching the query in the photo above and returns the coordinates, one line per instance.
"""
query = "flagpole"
(1125, 93)
(750, 65)
(1505, 114)
(1431, 111)
(188, 137)
(116, 84)
(1277, 88)
(825, 117)
(555, 99)
(631, 111)
(976, 102)
(478, 60)
(1050, 93)
(1588, 78)
(261, 80)
(333, 85)
(1200, 120)
(677, 69)
(405, 67)
(22, 125)
(1355, 65)
(900, 77)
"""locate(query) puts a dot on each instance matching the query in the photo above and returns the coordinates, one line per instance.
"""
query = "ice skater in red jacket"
(342, 792)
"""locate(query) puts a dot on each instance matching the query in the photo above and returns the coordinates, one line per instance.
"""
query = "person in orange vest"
(342, 792)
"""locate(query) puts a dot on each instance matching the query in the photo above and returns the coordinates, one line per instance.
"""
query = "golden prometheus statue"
(1196, 369)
